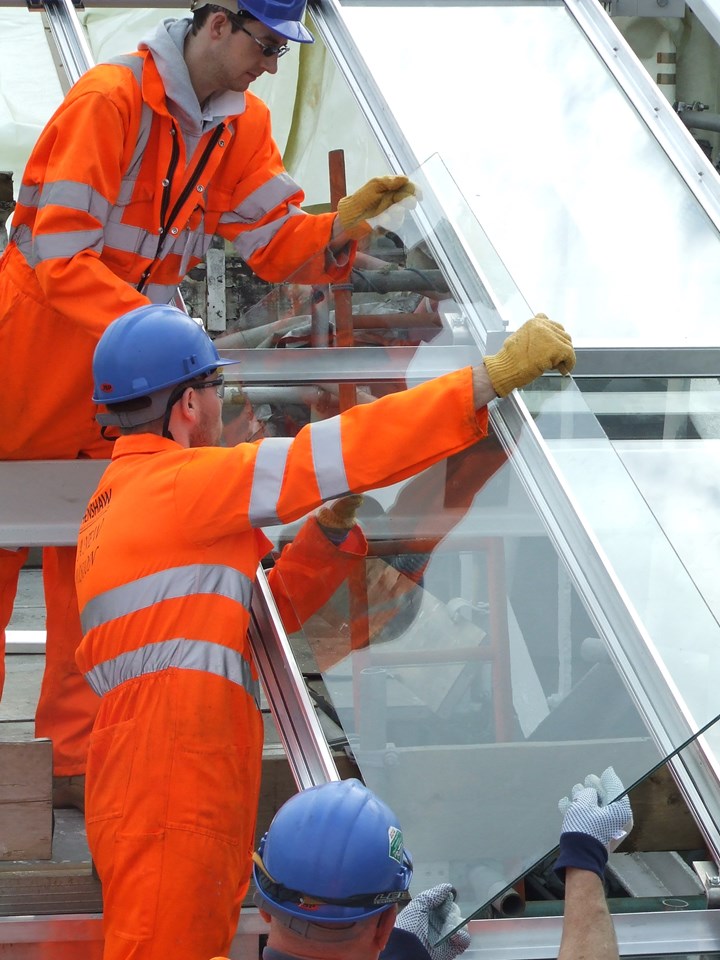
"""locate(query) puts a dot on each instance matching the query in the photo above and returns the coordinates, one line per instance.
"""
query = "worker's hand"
(336, 518)
(382, 197)
(539, 345)
(429, 916)
(340, 514)
(594, 822)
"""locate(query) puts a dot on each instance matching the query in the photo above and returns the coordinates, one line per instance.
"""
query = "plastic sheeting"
(29, 87)
(312, 109)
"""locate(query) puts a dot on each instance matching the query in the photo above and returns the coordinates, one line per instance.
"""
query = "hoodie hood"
(166, 44)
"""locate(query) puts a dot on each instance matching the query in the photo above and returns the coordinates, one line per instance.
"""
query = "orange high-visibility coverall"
(120, 198)
(174, 762)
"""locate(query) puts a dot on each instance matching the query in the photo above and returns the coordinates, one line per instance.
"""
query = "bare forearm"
(338, 238)
(483, 391)
(588, 931)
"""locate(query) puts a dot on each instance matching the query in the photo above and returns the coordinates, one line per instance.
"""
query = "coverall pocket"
(214, 790)
(109, 765)
(137, 892)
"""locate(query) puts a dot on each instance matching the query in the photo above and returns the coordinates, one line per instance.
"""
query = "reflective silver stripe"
(166, 585)
(180, 653)
(49, 246)
(29, 196)
(190, 243)
(251, 240)
(261, 201)
(129, 239)
(270, 462)
(160, 293)
(22, 235)
(75, 196)
(140, 241)
(134, 63)
(327, 454)
(127, 187)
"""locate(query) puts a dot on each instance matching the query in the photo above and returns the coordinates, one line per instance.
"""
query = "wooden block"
(661, 817)
(26, 800)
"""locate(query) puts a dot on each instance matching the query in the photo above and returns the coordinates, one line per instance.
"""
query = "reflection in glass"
(467, 676)
(461, 667)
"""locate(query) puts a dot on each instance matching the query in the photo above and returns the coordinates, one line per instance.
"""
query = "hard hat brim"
(290, 29)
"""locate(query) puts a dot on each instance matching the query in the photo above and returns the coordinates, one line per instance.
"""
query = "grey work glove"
(429, 916)
(594, 823)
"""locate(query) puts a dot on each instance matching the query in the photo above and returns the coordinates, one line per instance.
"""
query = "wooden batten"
(661, 817)
(26, 800)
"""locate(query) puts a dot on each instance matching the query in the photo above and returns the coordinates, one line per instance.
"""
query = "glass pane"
(640, 499)
(573, 189)
(666, 434)
(467, 676)
(461, 663)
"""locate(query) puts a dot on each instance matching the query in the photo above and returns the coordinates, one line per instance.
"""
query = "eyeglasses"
(218, 383)
(268, 49)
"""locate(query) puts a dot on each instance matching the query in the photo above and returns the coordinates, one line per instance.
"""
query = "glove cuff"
(502, 370)
(350, 212)
(404, 945)
(582, 851)
(336, 535)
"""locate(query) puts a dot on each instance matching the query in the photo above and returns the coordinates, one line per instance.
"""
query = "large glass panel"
(466, 676)
(666, 433)
(573, 189)
(468, 664)
(651, 506)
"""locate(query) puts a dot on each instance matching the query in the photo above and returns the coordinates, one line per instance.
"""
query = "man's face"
(207, 431)
(241, 54)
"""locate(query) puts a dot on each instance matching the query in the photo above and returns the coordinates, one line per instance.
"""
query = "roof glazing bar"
(302, 736)
(68, 36)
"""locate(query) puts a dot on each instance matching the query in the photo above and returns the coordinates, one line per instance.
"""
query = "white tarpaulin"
(312, 109)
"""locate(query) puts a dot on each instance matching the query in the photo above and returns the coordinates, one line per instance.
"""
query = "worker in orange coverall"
(146, 159)
(167, 554)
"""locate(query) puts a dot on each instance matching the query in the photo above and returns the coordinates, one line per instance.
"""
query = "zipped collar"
(143, 443)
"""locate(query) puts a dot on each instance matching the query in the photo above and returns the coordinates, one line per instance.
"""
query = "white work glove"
(594, 822)
(394, 217)
(429, 916)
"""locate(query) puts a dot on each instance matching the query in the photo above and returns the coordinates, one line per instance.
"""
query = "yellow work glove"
(539, 345)
(340, 514)
(376, 197)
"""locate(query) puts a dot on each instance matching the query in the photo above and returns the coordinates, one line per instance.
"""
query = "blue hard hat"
(333, 854)
(148, 349)
(282, 16)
